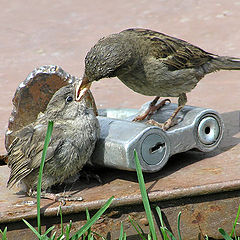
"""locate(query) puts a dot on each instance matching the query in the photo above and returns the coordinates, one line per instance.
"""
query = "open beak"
(82, 88)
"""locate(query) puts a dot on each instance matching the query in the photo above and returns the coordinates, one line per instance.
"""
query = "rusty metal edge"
(196, 190)
(131, 200)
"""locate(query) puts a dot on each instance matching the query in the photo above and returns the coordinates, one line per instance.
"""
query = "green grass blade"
(139, 227)
(60, 237)
(146, 203)
(149, 237)
(54, 235)
(136, 228)
(32, 228)
(164, 233)
(61, 219)
(99, 235)
(234, 230)
(170, 234)
(89, 233)
(90, 237)
(44, 238)
(121, 232)
(235, 222)
(49, 230)
(4, 234)
(160, 215)
(39, 186)
(224, 234)
(68, 229)
(162, 228)
(89, 223)
(87, 214)
(178, 226)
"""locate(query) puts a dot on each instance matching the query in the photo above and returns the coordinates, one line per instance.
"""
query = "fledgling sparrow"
(75, 132)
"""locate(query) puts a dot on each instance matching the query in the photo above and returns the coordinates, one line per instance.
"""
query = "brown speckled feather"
(152, 63)
(174, 52)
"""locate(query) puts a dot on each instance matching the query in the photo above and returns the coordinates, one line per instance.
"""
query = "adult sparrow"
(153, 64)
(75, 132)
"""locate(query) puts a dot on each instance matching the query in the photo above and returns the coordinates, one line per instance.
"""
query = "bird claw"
(155, 123)
(151, 110)
(164, 126)
(66, 198)
(169, 123)
(158, 106)
(138, 118)
(62, 198)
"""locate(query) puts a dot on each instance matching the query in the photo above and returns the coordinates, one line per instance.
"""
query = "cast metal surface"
(118, 140)
(197, 128)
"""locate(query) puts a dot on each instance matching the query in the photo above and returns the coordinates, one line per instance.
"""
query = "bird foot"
(151, 110)
(155, 108)
(63, 198)
(154, 123)
(169, 123)
(66, 198)
(164, 126)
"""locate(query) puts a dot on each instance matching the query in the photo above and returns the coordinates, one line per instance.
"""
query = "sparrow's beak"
(82, 88)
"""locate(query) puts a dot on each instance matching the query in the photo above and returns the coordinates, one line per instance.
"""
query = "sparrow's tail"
(225, 63)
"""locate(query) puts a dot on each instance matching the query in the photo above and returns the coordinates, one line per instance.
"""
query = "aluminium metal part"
(119, 138)
(197, 128)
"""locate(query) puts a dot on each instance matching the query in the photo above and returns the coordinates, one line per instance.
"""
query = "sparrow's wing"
(61, 148)
(20, 153)
(25, 152)
(174, 52)
(57, 141)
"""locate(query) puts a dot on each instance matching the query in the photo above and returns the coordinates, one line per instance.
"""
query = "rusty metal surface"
(201, 215)
(187, 183)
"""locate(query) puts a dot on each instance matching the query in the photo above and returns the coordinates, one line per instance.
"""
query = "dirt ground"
(35, 33)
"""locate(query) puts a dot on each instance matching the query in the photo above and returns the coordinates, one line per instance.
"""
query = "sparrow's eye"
(69, 99)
